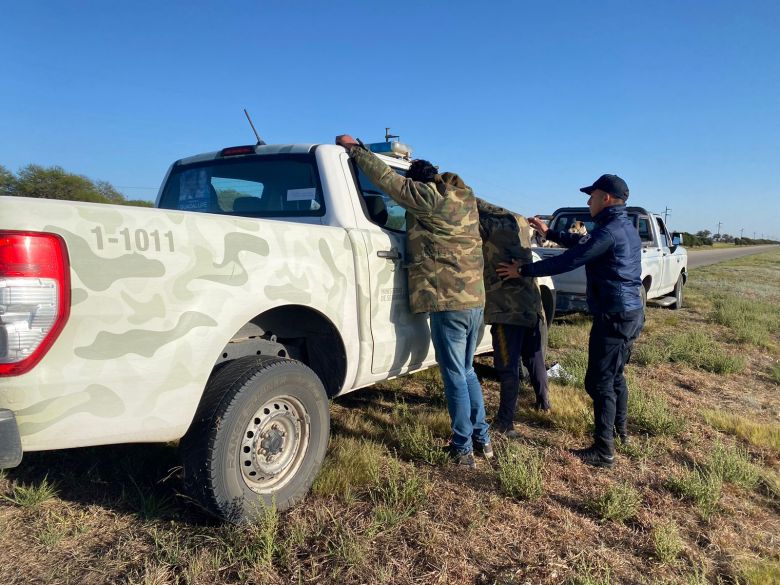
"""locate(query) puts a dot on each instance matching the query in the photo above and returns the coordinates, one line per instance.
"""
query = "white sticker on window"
(301, 194)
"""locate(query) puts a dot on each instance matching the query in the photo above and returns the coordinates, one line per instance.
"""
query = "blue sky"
(528, 101)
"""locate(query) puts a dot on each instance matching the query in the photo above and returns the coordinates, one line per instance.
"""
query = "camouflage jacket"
(505, 236)
(444, 254)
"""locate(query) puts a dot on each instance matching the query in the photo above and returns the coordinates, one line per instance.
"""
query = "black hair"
(422, 170)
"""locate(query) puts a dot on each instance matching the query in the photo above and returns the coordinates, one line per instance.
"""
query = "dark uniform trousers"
(609, 348)
(511, 343)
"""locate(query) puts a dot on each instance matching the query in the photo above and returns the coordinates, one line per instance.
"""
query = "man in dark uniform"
(612, 255)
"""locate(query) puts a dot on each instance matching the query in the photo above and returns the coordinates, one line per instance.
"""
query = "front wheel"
(258, 439)
(678, 293)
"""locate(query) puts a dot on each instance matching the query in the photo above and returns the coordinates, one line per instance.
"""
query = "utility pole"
(666, 216)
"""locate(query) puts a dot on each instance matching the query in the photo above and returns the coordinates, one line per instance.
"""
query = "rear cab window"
(276, 185)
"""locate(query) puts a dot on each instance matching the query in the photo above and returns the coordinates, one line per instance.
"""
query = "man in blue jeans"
(444, 256)
(612, 255)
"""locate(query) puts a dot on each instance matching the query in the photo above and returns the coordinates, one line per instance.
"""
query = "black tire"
(258, 438)
(678, 293)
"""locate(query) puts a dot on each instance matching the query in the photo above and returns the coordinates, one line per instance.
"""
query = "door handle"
(389, 254)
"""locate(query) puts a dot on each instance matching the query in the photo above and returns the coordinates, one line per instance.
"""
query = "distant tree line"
(707, 238)
(56, 183)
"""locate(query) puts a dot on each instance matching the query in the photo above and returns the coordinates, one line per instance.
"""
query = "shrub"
(699, 350)
(619, 502)
(699, 486)
(650, 413)
(733, 465)
(520, 472)
(667, 542)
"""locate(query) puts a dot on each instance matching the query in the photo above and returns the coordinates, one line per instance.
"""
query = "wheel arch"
(295, 331)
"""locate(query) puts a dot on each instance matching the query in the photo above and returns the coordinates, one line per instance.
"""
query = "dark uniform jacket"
(612, 255)
(444, 249)
(507, 236)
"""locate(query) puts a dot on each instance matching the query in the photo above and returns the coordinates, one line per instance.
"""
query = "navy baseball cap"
(611, 184)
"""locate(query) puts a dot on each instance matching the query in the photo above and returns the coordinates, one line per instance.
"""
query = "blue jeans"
(454, 335)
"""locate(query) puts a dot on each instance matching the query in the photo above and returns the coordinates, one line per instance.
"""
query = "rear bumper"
(10, 442)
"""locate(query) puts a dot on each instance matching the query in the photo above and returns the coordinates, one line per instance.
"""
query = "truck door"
(652, 265)
(669, 275)
(401, 340)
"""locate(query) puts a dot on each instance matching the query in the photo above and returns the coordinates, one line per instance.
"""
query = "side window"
(645, 233)
(380, 207)
(666, 241)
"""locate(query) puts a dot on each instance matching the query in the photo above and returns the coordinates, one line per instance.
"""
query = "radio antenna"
(260, 141)
(389, 136)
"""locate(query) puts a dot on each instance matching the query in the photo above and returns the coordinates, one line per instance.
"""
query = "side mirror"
(677, 239)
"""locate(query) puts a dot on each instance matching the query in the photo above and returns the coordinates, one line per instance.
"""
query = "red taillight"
(34, 297)
(236, 150)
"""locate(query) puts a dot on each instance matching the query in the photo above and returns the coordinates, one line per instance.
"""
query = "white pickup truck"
(270, 279)
(664, 260)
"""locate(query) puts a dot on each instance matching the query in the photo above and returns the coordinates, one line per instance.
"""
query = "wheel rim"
(274, 444)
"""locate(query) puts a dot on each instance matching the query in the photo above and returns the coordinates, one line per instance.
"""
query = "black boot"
(622, 434)
(592, 456)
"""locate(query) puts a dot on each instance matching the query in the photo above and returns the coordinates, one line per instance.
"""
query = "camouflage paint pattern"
(156, 295)
(444, 249)
(507, 236)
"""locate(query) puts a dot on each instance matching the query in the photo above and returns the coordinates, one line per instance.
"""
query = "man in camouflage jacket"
(444, 259)
(514, 310)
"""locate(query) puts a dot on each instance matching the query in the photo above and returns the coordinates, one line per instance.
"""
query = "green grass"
(618, 502)
(774, 374)
(693, 348)
(667, 542)
(749, 320)
(649, 412)
(761, 572)
(31, 496)
(351, 464)
(641, 448)
(520, 472)
(404, 490)
(415, 439)
(733, 465)
(758, 434)
(575, 364)
(588, 574)
(571, 410)
(699, 486)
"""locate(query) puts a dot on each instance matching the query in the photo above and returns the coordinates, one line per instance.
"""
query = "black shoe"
(592, 456)
(621, 434)
(506, 432)
(462, 459)
(484, 449)
(542, 406)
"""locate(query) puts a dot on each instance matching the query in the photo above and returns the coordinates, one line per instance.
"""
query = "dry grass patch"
(761, 572)
(571, 411)
(758, 434)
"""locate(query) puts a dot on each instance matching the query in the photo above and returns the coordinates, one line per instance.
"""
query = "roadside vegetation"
(694, 497)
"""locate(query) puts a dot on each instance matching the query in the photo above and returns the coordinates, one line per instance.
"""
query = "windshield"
(253, 186)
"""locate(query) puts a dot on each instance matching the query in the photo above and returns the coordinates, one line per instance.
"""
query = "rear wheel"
(258, 439)
(643, 295)
(678, 293)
